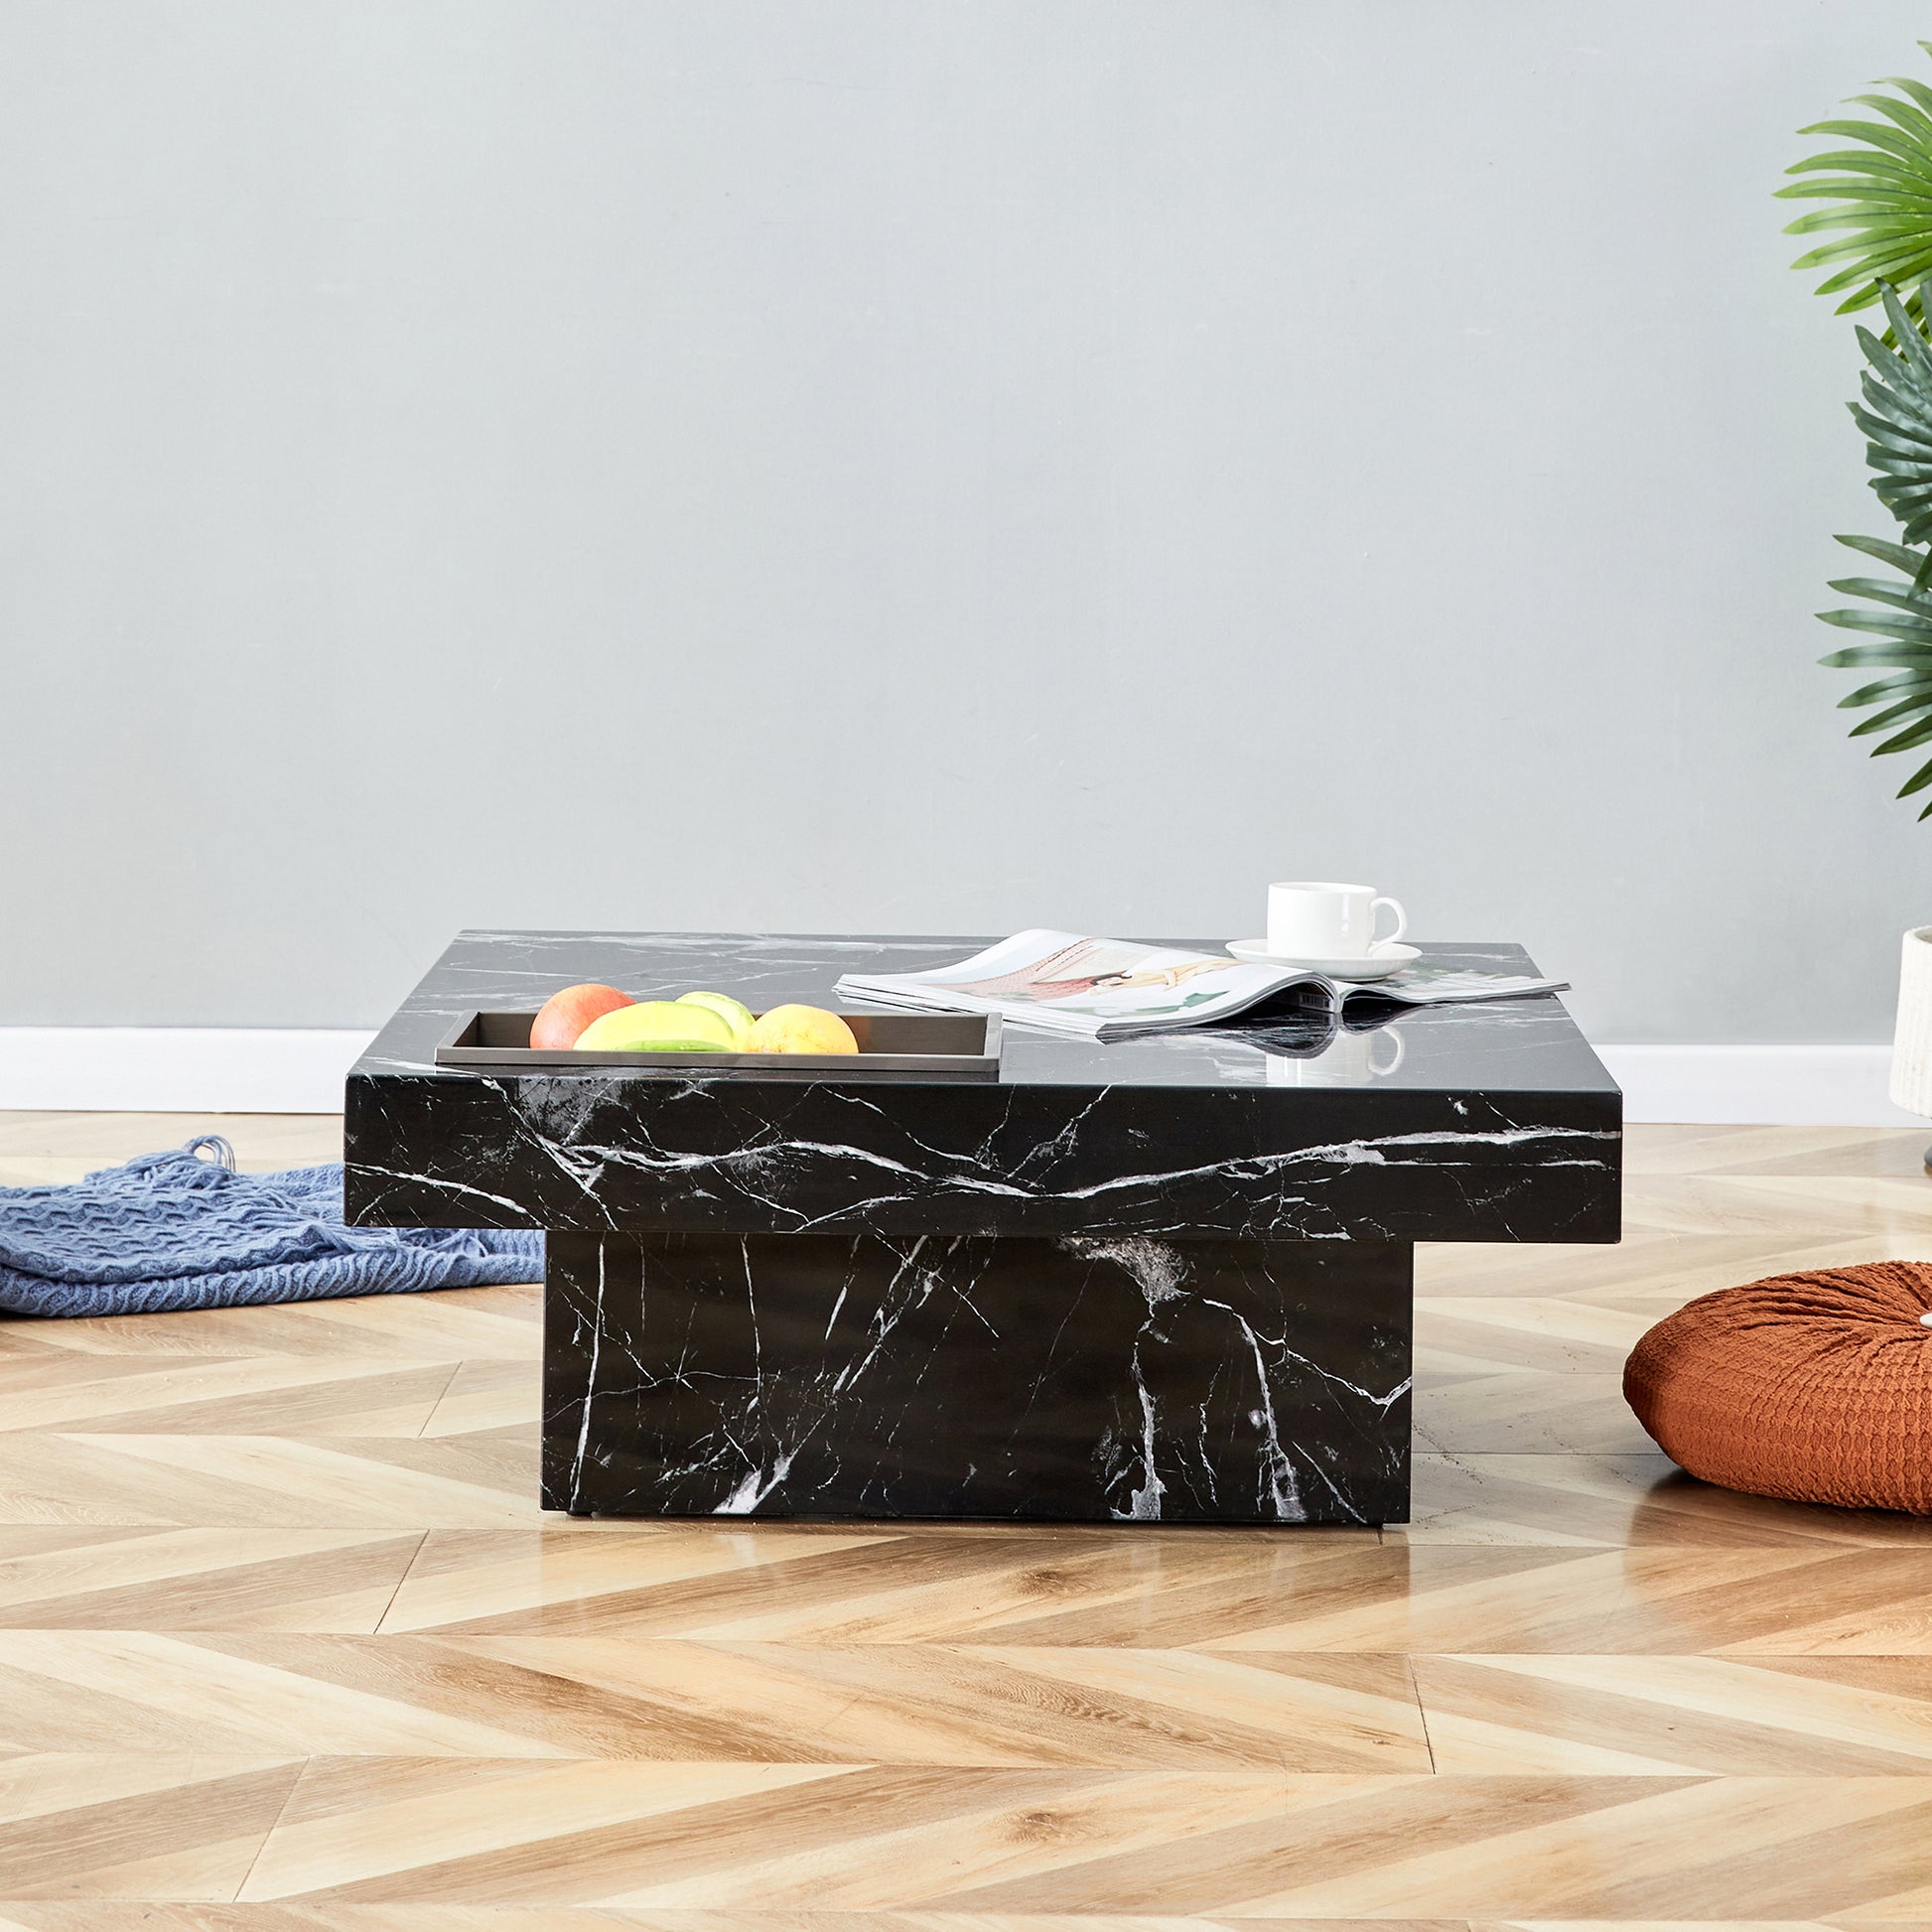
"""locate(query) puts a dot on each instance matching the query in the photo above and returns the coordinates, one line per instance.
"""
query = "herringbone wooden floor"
(285, 1641)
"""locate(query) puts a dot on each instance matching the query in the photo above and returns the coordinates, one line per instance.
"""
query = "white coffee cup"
(1319, 919)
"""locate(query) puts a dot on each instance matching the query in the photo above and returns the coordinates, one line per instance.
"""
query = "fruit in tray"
(735, 1013)
(657, 1026)
(801, 1029)
(601, 1020)
(565, 1015)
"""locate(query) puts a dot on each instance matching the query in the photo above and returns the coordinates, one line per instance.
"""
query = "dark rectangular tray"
(891, 1047)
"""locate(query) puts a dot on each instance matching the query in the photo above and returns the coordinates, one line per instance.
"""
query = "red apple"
(565, 1015)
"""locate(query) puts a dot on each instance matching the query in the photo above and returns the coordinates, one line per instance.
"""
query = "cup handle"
(1401, 923)
(1383, 1072)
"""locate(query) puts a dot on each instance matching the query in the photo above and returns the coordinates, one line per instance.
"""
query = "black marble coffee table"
(1165, 1279)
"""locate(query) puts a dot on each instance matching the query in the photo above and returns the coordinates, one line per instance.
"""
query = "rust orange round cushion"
(1817, 1387)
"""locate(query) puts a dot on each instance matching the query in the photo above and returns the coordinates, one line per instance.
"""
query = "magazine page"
(1424, 985)
(1115, 989)
(1070, 982)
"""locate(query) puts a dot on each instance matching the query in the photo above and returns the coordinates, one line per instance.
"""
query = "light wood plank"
(286, 1646)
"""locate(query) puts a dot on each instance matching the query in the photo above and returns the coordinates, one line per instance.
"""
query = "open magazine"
(1113, 989)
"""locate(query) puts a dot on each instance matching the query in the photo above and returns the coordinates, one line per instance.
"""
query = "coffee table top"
(1521, 1045)
(1499, 1123)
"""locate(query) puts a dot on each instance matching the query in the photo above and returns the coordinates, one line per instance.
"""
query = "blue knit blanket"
(175, 1232)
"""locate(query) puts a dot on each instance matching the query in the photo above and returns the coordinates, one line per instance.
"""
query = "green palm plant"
(1884, 190)
(1897, 421)
(1904, 625)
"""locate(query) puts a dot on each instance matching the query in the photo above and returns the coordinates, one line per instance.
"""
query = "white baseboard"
(1796, 1086)
(290, 1070)
(176, 1069)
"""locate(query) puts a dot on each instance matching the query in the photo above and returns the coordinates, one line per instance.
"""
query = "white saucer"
(1359, 969)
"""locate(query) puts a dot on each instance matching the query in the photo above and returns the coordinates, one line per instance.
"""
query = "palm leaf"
(1882, 189)
(1893, 684)
(1909, 707)
(1900, 628)
(1893, 555)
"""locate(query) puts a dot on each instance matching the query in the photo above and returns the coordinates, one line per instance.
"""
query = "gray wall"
(819, 464)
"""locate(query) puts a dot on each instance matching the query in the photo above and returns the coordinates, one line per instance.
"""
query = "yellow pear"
(800, 1029)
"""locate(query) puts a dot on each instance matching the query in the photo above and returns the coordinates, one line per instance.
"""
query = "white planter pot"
(1911, 1045)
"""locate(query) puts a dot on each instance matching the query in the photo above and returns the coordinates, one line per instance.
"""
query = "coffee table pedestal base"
(1014, 1379)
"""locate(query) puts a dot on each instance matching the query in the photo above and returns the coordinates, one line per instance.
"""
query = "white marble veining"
(1152, 1281)
(1178, 1381)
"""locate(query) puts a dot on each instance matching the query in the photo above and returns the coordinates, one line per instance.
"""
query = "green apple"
(734, 1013)
(656, 1027)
